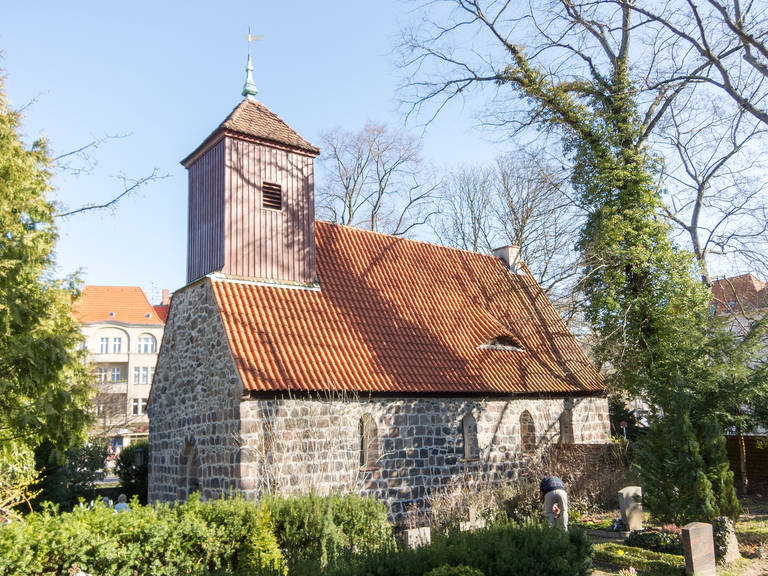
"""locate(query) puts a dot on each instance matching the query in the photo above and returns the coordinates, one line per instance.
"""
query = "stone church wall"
(293, 445)
(194, 407)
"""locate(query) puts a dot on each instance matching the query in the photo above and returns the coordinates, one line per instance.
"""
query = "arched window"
(369, 442)
(527, 432)
(469, 435)
(566, 426)
(190, 471)
(146, 344)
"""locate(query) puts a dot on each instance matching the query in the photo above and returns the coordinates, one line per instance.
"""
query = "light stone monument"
(631, 506)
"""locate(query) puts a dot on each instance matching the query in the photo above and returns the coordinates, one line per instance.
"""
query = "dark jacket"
(551, 483)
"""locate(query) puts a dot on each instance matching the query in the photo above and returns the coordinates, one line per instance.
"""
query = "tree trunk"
(744, 483)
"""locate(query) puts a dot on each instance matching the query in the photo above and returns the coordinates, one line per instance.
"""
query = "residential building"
(122, 332)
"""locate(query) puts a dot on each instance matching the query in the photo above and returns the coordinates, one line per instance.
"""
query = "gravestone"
(699, 549)
(474, 523)
(631, 506)
(417, 537)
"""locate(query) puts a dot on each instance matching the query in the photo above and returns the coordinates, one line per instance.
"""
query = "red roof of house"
(126, 304)
(397, 315)
(252, 118)
(162, 311)
(739, 293)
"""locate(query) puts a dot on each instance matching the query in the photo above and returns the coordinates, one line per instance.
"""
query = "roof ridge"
(405, 238)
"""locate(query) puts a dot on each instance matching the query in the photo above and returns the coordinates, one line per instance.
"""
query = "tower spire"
(249, 88)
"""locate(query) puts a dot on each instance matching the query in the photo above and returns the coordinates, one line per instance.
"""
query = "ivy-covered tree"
(44, 391)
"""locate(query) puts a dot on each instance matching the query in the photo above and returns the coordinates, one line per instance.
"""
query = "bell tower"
(251, 198)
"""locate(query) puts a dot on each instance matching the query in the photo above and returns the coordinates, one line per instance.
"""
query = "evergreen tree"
(44, 391)
(712, 442)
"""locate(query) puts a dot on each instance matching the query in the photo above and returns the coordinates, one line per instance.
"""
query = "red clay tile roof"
(739, 293)
(162, 311)
(396, 315)
(126, 304)
(252, 118)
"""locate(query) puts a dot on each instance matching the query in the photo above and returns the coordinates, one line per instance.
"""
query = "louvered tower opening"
(271, 196)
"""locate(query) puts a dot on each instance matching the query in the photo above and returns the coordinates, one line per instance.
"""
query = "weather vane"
(249, 88)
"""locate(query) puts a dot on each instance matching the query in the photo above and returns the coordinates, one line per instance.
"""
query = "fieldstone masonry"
(204, 433)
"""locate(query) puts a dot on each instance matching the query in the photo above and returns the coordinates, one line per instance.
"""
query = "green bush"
(656, 540)
(220, 537)
(134, 480)
(502, 550)
(656, 563)
(66, 480)
(315, 530)
(459, 570)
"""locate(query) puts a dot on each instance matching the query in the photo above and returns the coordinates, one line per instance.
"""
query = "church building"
(308, 356)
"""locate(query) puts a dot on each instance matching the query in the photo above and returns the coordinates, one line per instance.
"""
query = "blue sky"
(165, 74)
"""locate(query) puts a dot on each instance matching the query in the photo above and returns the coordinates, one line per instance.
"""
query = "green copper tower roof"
(249, 88)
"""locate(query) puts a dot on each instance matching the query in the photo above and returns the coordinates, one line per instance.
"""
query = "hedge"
(502, 550)
(221, 537)
(657, 563)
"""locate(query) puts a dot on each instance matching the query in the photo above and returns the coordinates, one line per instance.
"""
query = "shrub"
(221, 537)
(134, 480)
(657, 540)
(502, 550)
(65, 482)
(656, 563)
(459, 570)
(314, 530)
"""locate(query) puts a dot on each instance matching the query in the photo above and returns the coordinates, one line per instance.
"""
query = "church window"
(190, 471)
(271, 196)
(566, 426)
(369, 442)
(469, 435)
(527, 432)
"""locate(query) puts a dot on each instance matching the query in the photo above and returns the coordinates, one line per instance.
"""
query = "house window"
(527, 432)
(117, 344)
(147, 344)
(145, 379)
(369, 442)
(136, 375)
(116, 374)
(101, 375)
(271, 196)
(469, 435)
(566, 427)
(103, 345)
(139, 406)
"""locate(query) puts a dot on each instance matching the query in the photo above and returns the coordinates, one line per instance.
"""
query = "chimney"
(511, 256)
(166, 298)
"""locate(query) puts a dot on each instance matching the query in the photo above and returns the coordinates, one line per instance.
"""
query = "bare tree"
(466, 218)
(576, 47)
(721, 43)
(375, 179)
(82, 160)
(715, 195)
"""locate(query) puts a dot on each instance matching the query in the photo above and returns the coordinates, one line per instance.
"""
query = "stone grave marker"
(417, 537)
(699, 549)
(631, 506)
(474, 523)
